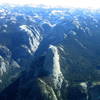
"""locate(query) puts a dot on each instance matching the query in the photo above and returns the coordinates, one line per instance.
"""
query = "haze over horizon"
(94, 4)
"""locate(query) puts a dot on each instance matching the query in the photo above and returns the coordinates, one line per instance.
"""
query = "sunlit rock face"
(33, 37)
(18, 43)
(6, 60)
(52, 66)
(49, 53)
(16, 46)
(3, 66)
(28, 40)
(9, 68)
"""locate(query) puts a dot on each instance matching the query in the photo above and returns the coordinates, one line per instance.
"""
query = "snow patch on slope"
(33, 36)
(83, 46)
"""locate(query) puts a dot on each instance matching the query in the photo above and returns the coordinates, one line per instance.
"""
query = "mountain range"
(49, 53)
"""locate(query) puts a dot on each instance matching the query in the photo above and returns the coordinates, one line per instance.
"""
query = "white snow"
(15, 64)
(76, 22)
(49, 23)
(5, 25)
(84, 85)
(72, 32)
(2, 10)
(61, 48)
(34, 40)
(25, 28)
(25, 47)
(80, 44)
(57, 12)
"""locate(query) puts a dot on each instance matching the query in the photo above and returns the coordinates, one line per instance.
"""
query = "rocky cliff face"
(49, 54)
(52, 66)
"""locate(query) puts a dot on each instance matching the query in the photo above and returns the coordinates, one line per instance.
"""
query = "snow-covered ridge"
(33, 36)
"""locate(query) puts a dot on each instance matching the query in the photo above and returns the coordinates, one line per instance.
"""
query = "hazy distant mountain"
(49, 53)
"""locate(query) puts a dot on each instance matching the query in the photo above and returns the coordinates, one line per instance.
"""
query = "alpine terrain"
(49, 53)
